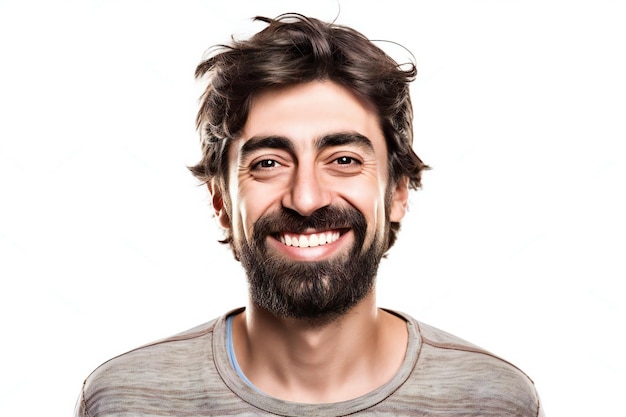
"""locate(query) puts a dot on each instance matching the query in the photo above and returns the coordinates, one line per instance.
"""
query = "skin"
(294, 359)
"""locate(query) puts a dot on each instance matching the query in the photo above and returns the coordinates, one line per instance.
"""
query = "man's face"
(311, 206)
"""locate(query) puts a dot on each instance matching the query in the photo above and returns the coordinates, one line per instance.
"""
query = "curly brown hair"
(296, 49)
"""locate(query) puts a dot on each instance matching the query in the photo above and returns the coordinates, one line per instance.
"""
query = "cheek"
(254, 202)
(369, 199)
(244, 218)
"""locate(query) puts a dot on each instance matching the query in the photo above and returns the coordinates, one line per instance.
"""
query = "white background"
(516, 242)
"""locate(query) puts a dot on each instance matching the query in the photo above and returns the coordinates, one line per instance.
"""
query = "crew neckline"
(253, 396)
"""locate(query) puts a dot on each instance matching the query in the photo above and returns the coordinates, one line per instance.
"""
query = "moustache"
(325, 218)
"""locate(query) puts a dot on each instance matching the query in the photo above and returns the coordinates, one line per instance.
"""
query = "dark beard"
(317, 291)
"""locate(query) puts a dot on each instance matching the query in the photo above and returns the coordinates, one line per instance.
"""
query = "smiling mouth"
(310, 240)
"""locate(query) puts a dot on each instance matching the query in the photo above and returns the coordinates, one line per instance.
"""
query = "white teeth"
(309, 241)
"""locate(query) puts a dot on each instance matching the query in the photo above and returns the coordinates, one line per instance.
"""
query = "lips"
(309, 240)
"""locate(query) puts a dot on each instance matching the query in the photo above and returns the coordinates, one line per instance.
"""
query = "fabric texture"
(190, 375)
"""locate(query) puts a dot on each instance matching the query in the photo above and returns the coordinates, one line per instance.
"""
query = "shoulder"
(149, 373)
(439, 338)
(439, 343)
(181, 345)
(460, 375)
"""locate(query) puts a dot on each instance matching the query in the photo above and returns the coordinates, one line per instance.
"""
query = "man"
(307, 153)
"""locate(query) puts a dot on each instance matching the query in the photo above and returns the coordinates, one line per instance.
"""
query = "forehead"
(305, 112)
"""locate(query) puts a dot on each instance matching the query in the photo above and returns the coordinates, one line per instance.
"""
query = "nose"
(307, 192)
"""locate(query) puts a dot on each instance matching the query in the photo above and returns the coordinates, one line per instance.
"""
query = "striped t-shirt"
(190, 375)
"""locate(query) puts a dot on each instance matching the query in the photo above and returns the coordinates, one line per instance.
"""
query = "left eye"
(345, 160)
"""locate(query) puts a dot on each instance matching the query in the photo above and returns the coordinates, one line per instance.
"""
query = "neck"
(319, 362)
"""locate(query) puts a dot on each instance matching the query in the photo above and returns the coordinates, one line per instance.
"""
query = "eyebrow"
(280, 142)
(340, 139)
(264, 142)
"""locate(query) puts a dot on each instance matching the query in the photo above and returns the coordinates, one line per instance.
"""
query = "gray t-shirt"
(190, 375)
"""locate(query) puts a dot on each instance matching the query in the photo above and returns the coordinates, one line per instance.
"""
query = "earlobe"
(399, 200)
(217, 201)
(220, 211)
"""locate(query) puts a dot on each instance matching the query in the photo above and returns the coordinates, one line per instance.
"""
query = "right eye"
(266, 164)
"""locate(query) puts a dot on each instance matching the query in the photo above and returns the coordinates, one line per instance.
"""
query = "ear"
(217, 201)
(399, 200)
